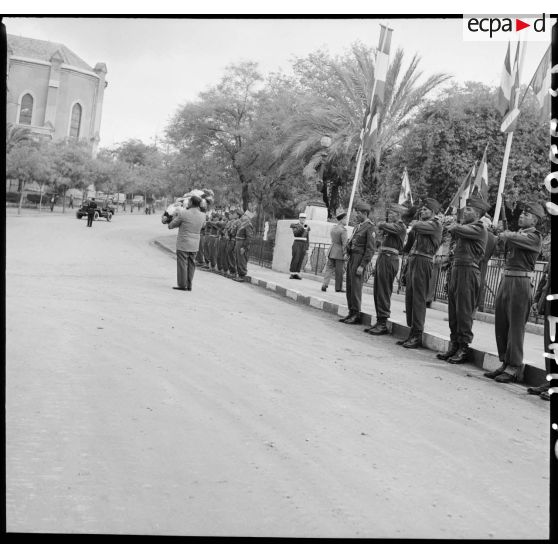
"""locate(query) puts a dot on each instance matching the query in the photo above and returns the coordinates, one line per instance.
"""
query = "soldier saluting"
(514, 296)
(360, 249)
(425, 237)
(464, 287)
(387, 266)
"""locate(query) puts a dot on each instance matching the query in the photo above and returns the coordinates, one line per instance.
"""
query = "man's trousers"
(463, 294)
(419, 273)
(387, 266)
(185, 268)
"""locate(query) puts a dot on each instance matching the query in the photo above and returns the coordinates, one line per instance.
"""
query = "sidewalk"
(436, 334)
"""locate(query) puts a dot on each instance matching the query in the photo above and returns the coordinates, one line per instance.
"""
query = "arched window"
(76, 121)
(26, 109)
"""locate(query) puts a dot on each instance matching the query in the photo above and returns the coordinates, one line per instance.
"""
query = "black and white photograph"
(315, 299)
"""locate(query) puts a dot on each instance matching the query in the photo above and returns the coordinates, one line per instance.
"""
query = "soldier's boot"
(349, 315)
(414, 342)
(452, 349)
(539, 389)
(512, 374)
(462, 355)
(380, 327)
(500, 370)
(403, 341)
(354, 319)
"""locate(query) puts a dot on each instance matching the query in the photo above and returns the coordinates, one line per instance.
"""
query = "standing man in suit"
(244, 235)
(514, 296)
(336, 254)
(426, 237)
(360, 249)
(301, 242)
(189, 222)
(464, 287)
(91, 212)
(387, 266)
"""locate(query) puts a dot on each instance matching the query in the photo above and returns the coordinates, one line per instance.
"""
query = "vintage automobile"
(104, 210)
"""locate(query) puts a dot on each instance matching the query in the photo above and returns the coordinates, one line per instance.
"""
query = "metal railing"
(261, 251)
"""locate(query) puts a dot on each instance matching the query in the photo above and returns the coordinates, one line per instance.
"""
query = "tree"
(450, 134)
(17, 135)
(335, 102)
(218, 125)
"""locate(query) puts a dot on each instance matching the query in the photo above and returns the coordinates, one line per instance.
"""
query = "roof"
(43, 50)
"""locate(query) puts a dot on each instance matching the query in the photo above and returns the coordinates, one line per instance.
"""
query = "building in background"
(53, 91)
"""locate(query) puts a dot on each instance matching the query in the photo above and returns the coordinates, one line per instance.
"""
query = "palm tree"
(340, 111)
(17, 135)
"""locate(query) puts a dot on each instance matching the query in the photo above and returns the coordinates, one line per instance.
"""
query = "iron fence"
(261, 251)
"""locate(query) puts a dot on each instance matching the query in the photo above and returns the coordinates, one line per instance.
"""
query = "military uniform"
(213, 230)
(200, 256)
(514, 297)
(360, 249)
(231, 257)
(244, 236)
(300, 246)
(464, 287)
(426, 237)
(336, 254)
(491, 239)
(387, 266)
(91, 212)
(221, 245)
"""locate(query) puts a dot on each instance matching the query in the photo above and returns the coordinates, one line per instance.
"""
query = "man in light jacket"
(189, 221)
(336, 253)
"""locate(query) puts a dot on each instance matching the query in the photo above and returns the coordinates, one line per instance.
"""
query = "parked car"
(106, 211)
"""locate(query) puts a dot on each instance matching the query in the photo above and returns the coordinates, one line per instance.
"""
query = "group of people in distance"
(419, 237)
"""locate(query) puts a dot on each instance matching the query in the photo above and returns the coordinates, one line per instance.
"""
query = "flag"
(506, 86)
(459, 200)
(370, 128)
(405, 195)
(382, 62)
(541, 86)
(480, 187)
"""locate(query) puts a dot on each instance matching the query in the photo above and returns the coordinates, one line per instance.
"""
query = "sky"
(155, 65)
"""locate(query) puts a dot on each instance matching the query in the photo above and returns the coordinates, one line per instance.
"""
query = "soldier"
(514, 296)
(221, 243)
(336, 254)
(200, 256)
(491, 239)
(301, 242)
(424, 238)
(470, 243)
(213, 229)
(233, 228)
(91, 212)
(244, 236)
(387, 266)
(360, 249)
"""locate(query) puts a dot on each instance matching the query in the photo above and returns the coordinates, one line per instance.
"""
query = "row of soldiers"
(225, 241)
(421, 242)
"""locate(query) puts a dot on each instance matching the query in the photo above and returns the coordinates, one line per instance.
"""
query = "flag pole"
(358, 169)
(523, 46)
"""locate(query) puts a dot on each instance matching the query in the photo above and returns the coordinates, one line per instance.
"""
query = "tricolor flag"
(506, 86)
(480, 187)
(405, 195)
(369, 132)
(541, 86)
(509, 83)
(459, 200)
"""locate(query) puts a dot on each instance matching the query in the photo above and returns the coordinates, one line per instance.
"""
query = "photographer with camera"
(300, 245)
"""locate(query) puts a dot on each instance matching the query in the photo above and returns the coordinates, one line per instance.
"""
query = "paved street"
(134, 408)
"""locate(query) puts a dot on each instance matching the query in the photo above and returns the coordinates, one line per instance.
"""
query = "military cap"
(432, 204)
(340, 213)
(397, 208)
(362, 206)
(535, 208)
(302, 215)
(478, 203)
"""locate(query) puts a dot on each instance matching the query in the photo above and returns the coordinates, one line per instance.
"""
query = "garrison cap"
(302, 215)
(432, 204)
(478, 203)
(362, 206)
(535, 208)
(340, 213)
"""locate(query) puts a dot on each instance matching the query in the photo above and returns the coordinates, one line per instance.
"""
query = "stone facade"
(53, 92)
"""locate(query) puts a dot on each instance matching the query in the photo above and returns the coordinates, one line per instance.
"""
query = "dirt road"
(134, 408)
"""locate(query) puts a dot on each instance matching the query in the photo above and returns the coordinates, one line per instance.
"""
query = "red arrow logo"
(519, 25)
